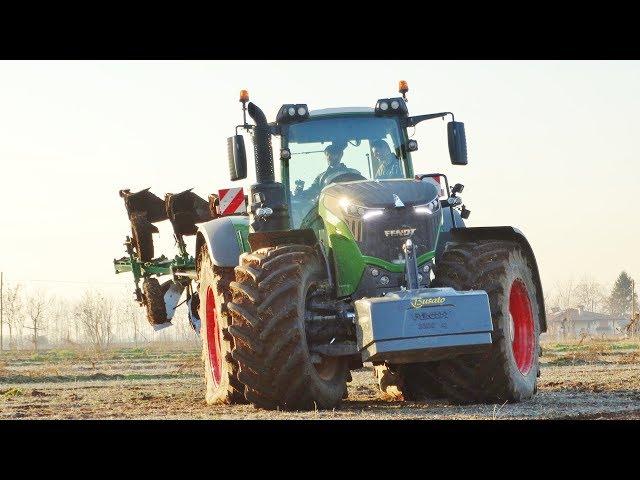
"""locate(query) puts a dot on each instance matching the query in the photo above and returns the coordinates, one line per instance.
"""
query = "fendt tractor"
(351, 257)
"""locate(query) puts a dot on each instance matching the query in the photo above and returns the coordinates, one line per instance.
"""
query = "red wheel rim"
(213, 338)
(522, 332)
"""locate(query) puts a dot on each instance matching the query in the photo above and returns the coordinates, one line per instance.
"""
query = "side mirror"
(457, 143)
(237, 157)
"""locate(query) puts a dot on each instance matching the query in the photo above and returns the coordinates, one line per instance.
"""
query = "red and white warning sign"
(436, 181)
(231, 200)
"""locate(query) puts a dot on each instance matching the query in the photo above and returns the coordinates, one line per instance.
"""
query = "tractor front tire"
(508, 371)
(268, 310)
(220, 369)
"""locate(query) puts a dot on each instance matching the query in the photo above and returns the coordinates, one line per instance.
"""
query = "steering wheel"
(346, 177)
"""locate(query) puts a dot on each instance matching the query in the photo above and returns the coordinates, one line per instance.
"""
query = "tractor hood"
(381, 234)
(383, 193)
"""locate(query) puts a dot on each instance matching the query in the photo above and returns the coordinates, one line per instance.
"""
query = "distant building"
(574, 322)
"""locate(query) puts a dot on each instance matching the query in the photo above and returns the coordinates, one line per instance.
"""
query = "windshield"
(340, 149)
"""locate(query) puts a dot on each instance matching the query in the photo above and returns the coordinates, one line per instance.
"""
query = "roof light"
(291, 112)
(391, 106)
(403, 87)
(244, 96)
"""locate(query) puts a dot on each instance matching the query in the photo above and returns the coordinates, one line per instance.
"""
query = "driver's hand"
(299, 187)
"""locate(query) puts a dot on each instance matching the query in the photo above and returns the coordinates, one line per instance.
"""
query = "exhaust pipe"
(268, 209)
(262, 149)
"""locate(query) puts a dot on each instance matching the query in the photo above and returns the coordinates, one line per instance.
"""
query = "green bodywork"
(349, 262)
(241, 226)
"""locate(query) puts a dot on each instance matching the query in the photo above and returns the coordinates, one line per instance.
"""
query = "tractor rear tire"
(220, 369)
(268, 310)
(508, 371)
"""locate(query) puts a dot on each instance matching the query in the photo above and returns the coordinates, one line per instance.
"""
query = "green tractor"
(351, 258)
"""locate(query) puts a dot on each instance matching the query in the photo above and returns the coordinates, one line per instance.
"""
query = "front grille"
(383, 236)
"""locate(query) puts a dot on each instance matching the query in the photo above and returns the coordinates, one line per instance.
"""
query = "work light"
(290, 113)
(391, 106)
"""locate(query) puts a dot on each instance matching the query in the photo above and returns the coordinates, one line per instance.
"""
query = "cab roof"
(339, 111)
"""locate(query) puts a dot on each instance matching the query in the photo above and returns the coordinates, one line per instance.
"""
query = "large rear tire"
(220, 369)
(508, 371)
(268, 309)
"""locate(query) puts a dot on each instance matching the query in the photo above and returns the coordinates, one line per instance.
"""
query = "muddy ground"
(593, 380)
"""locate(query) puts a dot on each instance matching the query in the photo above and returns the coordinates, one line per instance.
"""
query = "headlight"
(428, 208)
(358, 211)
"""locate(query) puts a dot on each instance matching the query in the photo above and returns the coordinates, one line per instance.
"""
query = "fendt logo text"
(401, 232)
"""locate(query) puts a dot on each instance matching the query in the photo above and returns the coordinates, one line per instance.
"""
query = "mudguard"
(445, 228)
(224, 240)
(470, 234)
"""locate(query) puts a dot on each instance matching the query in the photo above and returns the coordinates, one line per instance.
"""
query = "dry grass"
(587, 351)
(591, 379)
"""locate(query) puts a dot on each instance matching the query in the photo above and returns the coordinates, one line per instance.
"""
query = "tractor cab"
(329, 146)
(339, 145)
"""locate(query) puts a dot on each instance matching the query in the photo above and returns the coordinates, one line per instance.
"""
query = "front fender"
(471, 234)
(225, 238)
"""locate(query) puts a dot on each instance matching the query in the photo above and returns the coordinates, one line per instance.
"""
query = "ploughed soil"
(594, 379)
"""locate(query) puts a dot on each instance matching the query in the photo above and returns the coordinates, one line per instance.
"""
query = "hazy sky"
(553, 150)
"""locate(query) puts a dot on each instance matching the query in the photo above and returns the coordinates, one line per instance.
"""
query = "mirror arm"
(246, 126)
(413, 121)
(275, 129)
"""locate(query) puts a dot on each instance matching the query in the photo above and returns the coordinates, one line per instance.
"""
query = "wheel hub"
(213, 337)
(522, 331)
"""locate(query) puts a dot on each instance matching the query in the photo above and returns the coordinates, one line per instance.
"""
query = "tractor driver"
(335, 167)
(389, 164)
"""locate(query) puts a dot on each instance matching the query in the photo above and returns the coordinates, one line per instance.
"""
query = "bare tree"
(131, 319)
(13, 314)
(37, 306)
(590, 294)
(94, 313)
(565, 295)
(62, 319)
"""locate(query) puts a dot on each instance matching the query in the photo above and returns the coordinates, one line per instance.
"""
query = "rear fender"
(510, 234)
(224, 239)
(282, 237)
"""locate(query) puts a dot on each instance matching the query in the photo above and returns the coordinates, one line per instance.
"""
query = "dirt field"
(596, 380)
